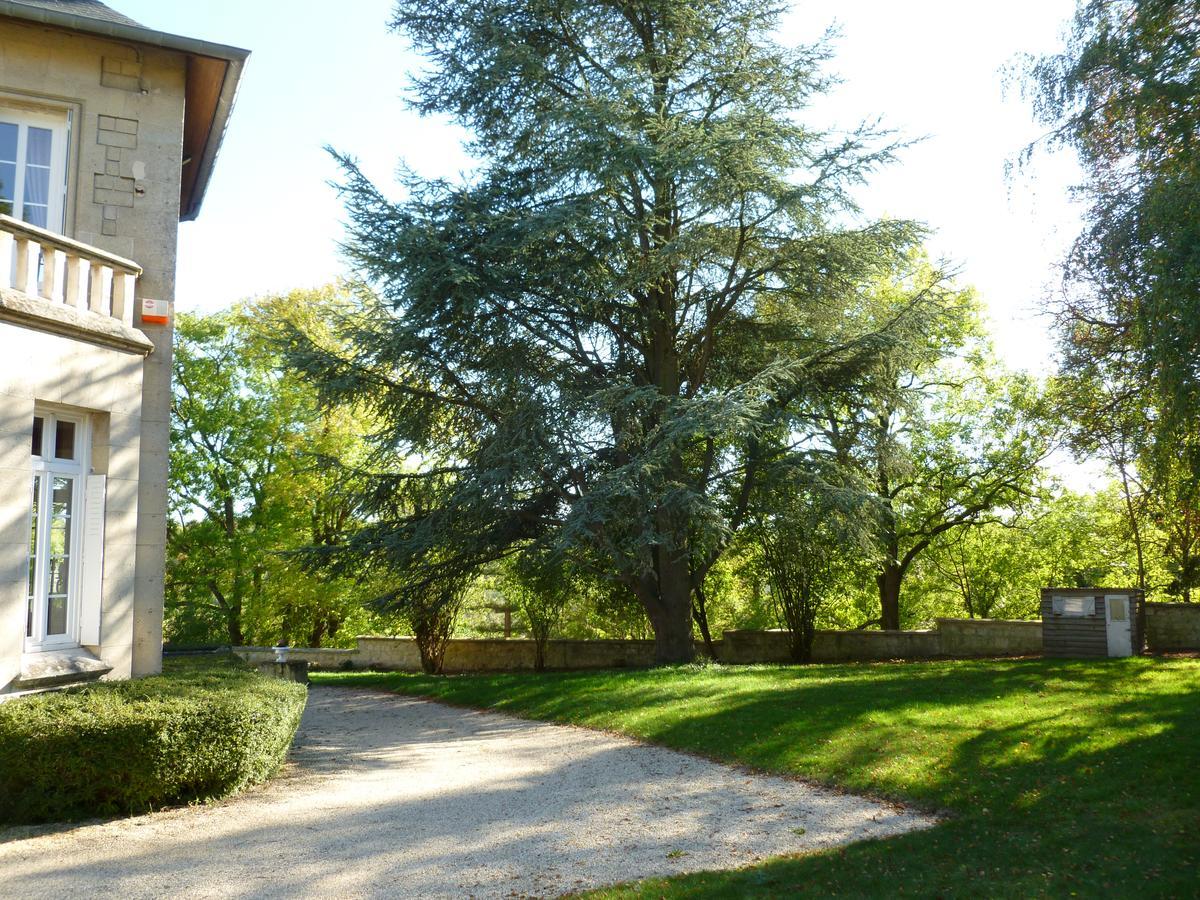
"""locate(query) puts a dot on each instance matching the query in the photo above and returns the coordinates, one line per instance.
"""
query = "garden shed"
(1093, 621)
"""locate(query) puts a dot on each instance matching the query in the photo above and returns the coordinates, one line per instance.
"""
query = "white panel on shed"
(92, 574)
(1073, 606)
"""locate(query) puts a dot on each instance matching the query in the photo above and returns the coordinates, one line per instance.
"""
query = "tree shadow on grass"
(1063, 775)
(1089, 790)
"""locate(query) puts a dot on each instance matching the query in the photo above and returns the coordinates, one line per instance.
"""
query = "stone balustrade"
(66, 272)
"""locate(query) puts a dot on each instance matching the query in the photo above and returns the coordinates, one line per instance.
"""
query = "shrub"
(203, 729)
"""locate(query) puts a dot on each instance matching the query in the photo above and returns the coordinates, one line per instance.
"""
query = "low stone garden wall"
(989, 637)
(949, 638)
(1169, 627)
(476, 655)
(317, 658)
(1172, 627)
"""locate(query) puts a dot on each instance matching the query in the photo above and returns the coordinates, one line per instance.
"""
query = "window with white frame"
(59, 453)
(33, 165)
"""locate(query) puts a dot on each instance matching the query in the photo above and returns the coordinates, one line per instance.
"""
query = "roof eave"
(121, 31)
(189, 207)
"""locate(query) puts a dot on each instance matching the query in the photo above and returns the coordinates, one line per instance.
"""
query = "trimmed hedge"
(204, 729)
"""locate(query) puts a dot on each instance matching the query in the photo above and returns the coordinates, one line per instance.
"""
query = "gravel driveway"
(394, 797)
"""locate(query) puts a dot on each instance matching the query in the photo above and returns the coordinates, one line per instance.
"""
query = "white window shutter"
(92, 573)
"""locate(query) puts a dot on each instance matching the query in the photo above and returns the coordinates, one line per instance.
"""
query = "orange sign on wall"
(155, 312)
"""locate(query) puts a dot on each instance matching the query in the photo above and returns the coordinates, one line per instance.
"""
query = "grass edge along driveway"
(1060, 777)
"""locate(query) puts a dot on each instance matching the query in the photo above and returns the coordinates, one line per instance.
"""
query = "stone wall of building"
(63, 373)
(126, 107)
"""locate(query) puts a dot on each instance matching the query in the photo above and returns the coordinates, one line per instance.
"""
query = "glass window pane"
(56, 616)
(64, 488)
(8, 142)
(59, 575)
(60, 538)
(58, 579)
(64, 440)
(8, 187)
(37, 484)
(36, 203)
(37, 186)
(39, 425)
(37, 150)
(38, 216)
(8, 166)
(60, 516)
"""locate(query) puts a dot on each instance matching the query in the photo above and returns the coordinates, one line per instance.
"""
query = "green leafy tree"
(226, 440)
(251, 482)
(1173, 505)
(803, 540)
(1125, 96)
(431, 616)
(974, 458)
(542, 586)
(937, 439)
(1111, 420)
(981, 568)
(997, 569)
(1102, 407)
(587, 343)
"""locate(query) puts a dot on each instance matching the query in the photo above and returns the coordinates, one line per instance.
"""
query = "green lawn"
(1057, 777)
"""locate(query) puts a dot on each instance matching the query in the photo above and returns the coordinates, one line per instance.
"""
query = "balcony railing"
(57, 269)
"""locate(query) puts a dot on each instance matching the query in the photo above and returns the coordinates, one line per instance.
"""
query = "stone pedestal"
(292, 670)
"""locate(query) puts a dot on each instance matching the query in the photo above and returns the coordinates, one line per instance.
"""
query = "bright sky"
(326, 73)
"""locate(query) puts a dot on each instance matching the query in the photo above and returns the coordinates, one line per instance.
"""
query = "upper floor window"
(33, 166)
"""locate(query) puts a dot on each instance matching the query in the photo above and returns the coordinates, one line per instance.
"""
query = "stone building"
(108, 136)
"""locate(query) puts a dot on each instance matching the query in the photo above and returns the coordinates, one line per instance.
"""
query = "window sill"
(42, 315)
(56, 668)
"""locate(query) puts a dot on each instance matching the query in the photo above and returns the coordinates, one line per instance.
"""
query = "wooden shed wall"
(1075, 636)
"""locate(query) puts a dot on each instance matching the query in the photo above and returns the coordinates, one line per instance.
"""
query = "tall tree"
(997, 569)
(589, 342)
(226, 441)
(542, 586)
(1125, 95)
(939, 438)
(250, 480)
(974, 458)
(1104, 408)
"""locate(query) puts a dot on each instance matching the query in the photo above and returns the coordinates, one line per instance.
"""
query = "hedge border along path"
(204, 729)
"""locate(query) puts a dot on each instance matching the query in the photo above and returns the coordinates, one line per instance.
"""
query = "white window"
(59, 452)
(33, 166)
